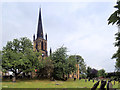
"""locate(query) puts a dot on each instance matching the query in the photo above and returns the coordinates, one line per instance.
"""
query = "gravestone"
(95, 86)
(74, 78)
(102, 86)
(88, 79)
(79, 78)
(109, 85)
(114, 82)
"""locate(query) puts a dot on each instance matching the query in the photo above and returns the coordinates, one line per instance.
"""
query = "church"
(40, 43)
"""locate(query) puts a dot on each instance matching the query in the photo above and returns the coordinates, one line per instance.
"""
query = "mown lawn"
(51, 84)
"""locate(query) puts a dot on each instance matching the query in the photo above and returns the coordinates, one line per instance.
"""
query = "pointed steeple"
(46, 36)
(40, 29)
(50, 51)
(34, 37)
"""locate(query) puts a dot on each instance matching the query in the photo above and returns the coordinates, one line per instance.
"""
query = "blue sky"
(80, 26)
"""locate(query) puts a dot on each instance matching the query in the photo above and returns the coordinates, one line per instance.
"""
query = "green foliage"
(72, 64)
(91, 73)
(59, 58)
(79, 60)
(18, 56)
(45, 68)
(117, 54)
(88, 71)
(101, 73)
(64, 65)
(115, 18)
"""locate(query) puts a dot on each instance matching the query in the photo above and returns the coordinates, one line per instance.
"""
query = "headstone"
(103, 83)
(57, 84)
(74, 78)
(88, 79)
(79, 78)
(95, 86)
(109, 85)
(85, 80)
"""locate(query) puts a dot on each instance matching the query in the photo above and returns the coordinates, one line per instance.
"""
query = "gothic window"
(37, 47)
(45, 46)
(42, 45)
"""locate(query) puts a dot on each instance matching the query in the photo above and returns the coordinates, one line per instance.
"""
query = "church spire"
(40, 29)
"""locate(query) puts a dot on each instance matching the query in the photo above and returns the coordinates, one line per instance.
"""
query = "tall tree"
(79, 60)
(101, 72)
(18, 56)
(89, 71)
(115, 19)
(59, 58)
(45, 68)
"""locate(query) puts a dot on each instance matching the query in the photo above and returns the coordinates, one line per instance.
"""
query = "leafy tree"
(18, 56)
(115, 19)
(79, 60)
(91, 73)
(89, 70)
(101, 73)
(64, 64)
(59, 58)
(45, 68)
(72, 64)
(117, 54)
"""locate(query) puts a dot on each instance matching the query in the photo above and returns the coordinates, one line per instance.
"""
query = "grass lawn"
(51, 84)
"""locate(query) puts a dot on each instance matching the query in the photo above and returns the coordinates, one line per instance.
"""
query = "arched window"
(45, 46)
(42, 45)
(37, 47)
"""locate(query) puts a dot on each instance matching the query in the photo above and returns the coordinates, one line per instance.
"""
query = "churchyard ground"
(52, 84)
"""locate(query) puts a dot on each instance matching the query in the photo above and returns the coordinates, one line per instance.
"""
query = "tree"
(101, 73)
(115, 19)
(79, 60)
(91, 73)
(117, 54)
(72, 64)
(45, 68)
(59, 58)
(18, 56)
(64, 64)
(89, 69)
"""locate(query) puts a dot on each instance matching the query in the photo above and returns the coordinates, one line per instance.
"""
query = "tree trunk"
(68, 75)
(14, 77)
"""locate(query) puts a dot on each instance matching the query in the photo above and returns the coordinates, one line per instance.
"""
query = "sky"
(80, 26)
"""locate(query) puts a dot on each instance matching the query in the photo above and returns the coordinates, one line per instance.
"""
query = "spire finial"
(34, 37)
(46, 36)
(50, 51)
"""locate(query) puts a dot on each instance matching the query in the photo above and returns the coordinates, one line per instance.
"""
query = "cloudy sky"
(80, 26)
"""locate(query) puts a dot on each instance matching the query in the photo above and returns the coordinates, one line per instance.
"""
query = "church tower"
(39, 43)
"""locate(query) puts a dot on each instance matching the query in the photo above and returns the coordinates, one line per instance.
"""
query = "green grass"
(50, 84)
